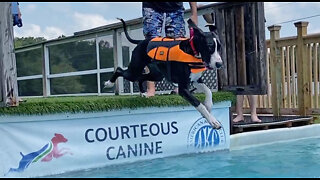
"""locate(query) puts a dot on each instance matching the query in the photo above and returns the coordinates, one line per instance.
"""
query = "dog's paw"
(214, 123)
(108, 84)
(144, 95)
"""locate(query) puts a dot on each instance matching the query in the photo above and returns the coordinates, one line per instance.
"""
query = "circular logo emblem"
(202, 135)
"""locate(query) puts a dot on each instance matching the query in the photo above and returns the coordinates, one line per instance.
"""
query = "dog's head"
(59, 138)
(208, 45)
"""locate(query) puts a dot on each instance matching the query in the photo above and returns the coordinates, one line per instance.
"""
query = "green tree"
(25, 41)
(61, 60)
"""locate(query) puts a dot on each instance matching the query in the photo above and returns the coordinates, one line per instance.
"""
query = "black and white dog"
(200, 44)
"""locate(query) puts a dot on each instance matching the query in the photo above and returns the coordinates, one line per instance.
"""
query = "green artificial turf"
(53, 105)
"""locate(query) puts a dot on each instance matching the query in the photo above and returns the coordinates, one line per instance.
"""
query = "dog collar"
(191, 42)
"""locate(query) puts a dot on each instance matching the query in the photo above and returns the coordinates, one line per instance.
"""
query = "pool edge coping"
(263, 137)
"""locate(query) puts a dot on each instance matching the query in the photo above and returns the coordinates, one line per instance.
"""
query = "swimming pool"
(298, 158)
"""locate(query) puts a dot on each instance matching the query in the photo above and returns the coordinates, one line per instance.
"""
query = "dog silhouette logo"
(46, 154)
(56, 152)
(202, 135)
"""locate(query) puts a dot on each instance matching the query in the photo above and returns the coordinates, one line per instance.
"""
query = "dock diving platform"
(270, 122)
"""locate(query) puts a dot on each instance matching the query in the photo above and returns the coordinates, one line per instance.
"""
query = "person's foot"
(254, 118)
(150, 95)
(238, 119)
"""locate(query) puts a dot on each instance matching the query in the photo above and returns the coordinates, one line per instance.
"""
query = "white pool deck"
(264, 137)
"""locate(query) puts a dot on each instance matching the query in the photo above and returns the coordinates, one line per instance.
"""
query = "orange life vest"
(167, 49)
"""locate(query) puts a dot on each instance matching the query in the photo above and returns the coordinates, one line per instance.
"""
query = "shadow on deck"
(269, 122)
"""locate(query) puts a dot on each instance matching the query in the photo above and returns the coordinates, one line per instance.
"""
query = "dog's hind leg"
(142, 89)
(139, 59)
(153, 74)
(126, 74)
(185, 93)
(116, 74)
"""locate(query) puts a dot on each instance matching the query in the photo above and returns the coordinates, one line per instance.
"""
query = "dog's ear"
(209, 18)
(212, 27)
(194, 26)
(211, 21)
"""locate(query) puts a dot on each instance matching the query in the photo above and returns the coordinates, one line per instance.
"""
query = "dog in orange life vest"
(181, 61)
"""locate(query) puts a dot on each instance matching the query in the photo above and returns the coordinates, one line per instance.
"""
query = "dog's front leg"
(185, 93)
(204, 88)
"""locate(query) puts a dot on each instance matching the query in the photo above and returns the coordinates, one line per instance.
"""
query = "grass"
(317, 119)
(51, 105)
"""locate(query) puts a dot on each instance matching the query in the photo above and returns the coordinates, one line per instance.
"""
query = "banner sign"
(33, 146)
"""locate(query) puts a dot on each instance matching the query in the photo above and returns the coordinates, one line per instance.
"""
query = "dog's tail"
(133, 41)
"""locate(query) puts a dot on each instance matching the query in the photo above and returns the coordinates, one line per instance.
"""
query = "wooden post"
(240, 47)
(222, 73)
(316, 74)
(275, 63)
(251, 50)
(8, 73)
(261, 48)
(303, 68)
(230, 45)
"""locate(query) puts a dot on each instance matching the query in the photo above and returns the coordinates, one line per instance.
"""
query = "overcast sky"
(52, 19)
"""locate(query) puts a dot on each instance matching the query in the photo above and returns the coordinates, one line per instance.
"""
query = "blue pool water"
(300, 158)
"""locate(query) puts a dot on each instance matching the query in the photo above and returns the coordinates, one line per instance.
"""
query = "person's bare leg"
(151, 90)
(239, 109)
(253, 107)
(175, 89)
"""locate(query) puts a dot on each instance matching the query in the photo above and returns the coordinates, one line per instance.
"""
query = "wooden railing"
(293, 69)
